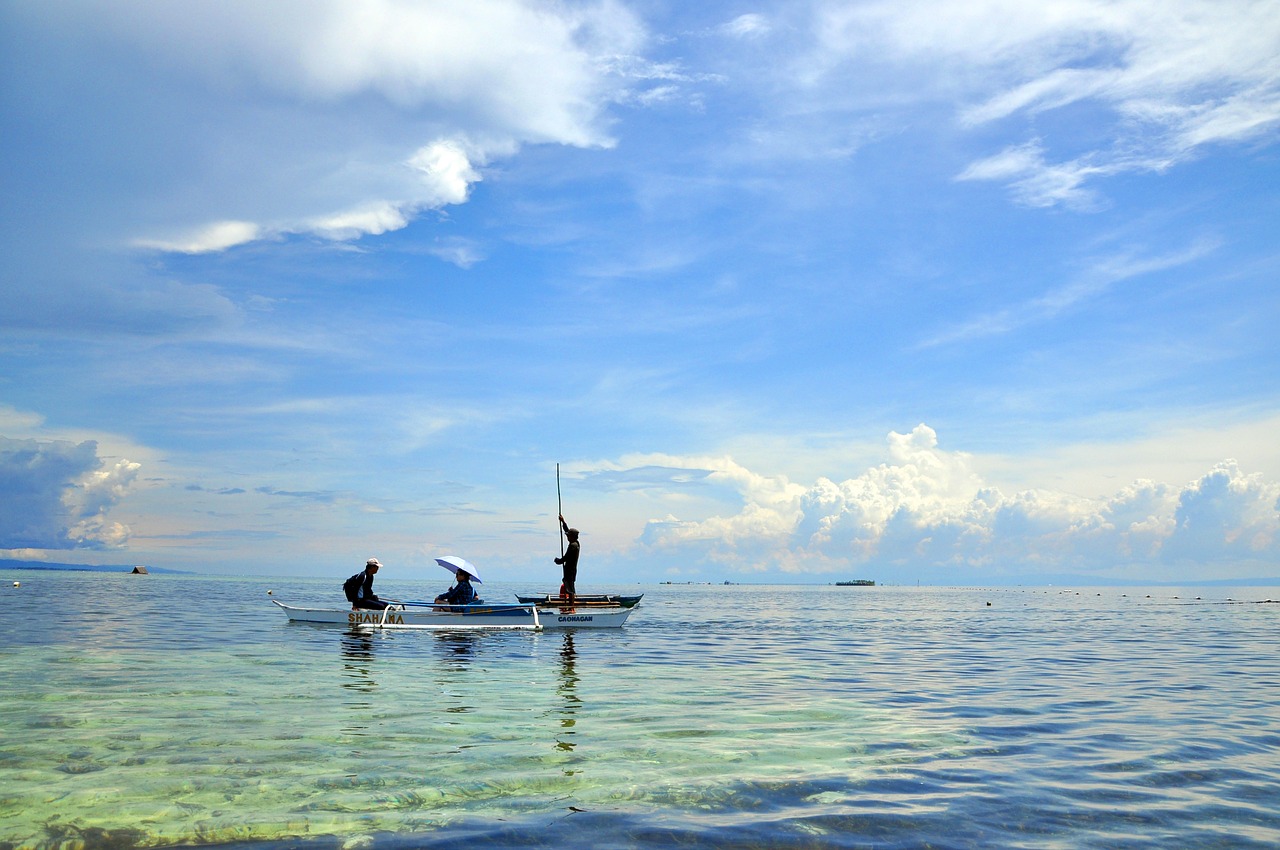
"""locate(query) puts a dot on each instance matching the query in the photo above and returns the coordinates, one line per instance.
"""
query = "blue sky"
(917, 291)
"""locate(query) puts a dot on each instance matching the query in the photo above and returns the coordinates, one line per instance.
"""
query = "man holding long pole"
(569, 560)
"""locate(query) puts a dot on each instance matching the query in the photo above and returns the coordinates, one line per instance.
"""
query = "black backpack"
(351, 587)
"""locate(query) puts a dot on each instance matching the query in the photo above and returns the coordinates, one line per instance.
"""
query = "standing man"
(569, 561)
(359, 588)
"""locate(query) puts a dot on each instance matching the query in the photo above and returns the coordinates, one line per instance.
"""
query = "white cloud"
(1226, 515)
(13, 420)
(446, 171)
(444, 174)
(1102, 274)
(56, 494)
(1173, 75)
(1035, 182)
(927, 508)
(324, 118)
(217, 236)
(463, 253)
(531, 71)
(750, 25)
(1178, 452)
(369, 219)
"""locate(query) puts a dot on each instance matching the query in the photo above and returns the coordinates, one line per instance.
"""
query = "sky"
(951, 293)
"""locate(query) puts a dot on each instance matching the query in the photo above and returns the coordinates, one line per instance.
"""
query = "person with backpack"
(359, 588)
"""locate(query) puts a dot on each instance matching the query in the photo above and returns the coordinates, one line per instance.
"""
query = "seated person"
(359, 588)
(461, 593)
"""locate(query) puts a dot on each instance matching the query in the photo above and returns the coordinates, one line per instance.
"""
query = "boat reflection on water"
(358, 682)
(570, 702)
(372, 664)
(456, 648)
(357, 661)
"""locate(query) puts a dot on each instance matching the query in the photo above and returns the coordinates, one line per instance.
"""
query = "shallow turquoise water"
(163, 710)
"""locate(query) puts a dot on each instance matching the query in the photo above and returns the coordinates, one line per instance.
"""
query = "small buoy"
(17, 584)
(988, 604)
(268, 593)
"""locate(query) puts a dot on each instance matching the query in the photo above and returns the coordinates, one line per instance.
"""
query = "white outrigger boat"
(430, 615)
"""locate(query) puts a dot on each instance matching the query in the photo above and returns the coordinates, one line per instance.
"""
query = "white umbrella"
(453, 563)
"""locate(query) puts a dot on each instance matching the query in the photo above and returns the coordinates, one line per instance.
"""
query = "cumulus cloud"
(530, 70)
(56, 494)
(1162, 78)
(1226, 515)
(927, 507)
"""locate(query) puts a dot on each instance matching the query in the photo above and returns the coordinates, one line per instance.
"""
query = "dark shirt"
(363, 584)
(570, 560)
(461, 593)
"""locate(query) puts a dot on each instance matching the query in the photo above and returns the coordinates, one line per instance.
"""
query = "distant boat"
(857, 582)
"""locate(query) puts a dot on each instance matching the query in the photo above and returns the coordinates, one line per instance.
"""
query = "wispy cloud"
(749, 25)
(217, 236)
(445, 171)
(1102, 274)
(1037, 183)
(1168, 78)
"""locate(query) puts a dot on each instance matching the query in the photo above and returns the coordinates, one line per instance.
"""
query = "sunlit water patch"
(160, 710)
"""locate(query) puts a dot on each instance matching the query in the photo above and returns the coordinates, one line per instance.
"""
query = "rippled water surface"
(162, 710)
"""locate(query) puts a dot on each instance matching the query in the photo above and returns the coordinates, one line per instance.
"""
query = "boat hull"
(583, 600)
(462, 617)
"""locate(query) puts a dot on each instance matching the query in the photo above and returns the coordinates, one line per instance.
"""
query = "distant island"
(6, 564)
(857, 582)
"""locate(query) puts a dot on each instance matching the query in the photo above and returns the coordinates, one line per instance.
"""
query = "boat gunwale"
(483, 617)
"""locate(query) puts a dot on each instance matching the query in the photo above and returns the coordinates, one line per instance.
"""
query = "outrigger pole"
(559, 511)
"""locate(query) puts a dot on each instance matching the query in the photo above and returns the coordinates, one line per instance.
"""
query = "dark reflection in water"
(357, 649)
(357, 655)
(567, 688)
(457, 648)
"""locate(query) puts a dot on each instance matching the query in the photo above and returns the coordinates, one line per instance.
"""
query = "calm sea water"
(143, 711)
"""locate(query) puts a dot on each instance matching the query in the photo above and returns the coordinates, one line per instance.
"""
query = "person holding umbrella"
(461, 593)
(569, 561)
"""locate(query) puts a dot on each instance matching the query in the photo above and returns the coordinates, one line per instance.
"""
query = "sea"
(182, 710)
